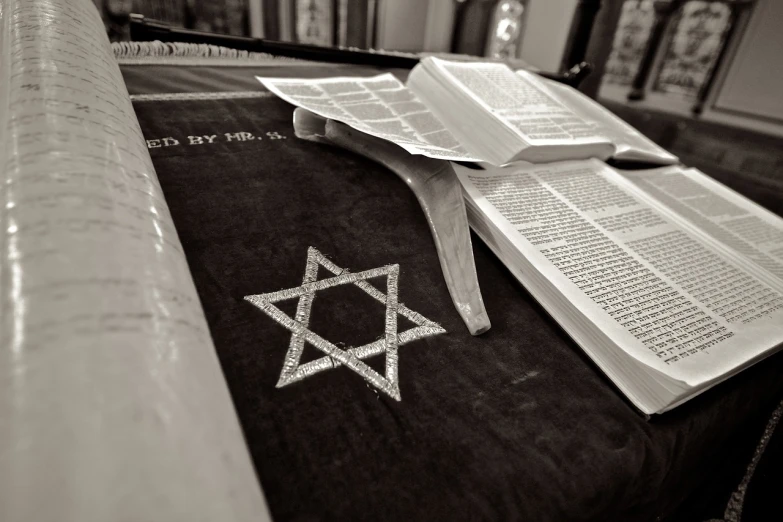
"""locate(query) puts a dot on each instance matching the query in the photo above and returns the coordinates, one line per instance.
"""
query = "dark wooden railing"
(663, 12)
(579, 36)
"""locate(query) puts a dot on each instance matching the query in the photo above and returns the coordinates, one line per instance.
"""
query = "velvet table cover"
(516, 424)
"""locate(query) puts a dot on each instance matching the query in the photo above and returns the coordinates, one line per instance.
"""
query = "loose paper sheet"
(380, 106)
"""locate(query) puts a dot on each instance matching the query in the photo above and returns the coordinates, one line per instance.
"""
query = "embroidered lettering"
(239, 136)
(199, 140)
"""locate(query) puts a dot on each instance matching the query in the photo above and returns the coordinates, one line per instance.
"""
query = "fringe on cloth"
(125, 51)
(191, 53)
(734, 507)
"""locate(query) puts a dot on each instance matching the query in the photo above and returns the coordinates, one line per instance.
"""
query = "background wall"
(546, 32)
(401, 25)
(754, 81)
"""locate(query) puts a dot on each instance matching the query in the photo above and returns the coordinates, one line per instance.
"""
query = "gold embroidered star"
(351, 358)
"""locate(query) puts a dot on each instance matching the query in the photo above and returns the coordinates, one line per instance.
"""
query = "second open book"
(474, 112)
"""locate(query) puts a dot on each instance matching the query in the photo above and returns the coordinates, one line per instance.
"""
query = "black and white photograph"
(391, 260)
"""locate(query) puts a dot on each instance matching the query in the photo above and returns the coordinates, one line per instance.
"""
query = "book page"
(380, 106)
(666, 298)
(719, 212)
(631, 144)
(522, 101)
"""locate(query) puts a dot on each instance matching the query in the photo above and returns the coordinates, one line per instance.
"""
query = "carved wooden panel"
(630, 41)
(700, 30)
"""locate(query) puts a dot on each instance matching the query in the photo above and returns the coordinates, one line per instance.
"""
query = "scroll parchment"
(112, 402)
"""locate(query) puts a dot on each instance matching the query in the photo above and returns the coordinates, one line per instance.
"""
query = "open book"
(669, 281)
(474, 112)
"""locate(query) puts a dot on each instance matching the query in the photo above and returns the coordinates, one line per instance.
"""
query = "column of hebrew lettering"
(750, 231)
(112, 402)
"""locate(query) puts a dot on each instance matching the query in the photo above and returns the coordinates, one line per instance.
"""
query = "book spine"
(256, 18)
(271, 19)
(342, 23)
(440, 26)
(285, 14)
(372, 23)
(401, 25)
(357, 21)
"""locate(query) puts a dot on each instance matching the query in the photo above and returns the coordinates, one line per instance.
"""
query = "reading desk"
(154, 252)
(514, 424)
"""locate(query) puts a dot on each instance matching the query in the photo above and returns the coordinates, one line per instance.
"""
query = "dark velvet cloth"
(516, 424)
(156, 79)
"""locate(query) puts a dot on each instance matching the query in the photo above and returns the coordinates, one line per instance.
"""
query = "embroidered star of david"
(351, 358)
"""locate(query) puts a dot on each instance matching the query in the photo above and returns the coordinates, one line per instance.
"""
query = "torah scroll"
(112, 402)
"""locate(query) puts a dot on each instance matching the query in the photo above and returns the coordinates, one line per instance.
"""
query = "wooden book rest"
(438, 190)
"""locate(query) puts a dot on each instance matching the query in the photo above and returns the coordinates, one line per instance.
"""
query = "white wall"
(545, 33)
(754, 81)
(401, 25)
